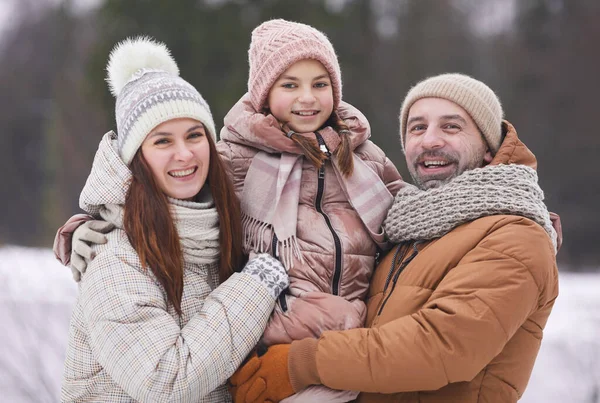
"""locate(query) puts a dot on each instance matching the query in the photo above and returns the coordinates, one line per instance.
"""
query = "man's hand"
(90, 232)
(264, 377)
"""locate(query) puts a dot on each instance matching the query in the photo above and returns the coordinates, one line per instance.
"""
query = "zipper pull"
(322, 145)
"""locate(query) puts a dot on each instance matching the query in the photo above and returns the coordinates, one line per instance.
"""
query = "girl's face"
(178, 154)
(302, 97)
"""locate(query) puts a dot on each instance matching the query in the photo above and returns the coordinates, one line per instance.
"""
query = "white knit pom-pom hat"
(145, 81)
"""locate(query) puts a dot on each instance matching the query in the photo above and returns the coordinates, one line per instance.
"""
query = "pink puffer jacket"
(327, 289)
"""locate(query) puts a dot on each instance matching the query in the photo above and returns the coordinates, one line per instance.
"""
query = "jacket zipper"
(281, 298)
(337, 273)
(401, 268)
(401, 248)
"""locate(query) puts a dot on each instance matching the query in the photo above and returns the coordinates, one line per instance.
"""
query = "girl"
(314, 190)
(151, 323)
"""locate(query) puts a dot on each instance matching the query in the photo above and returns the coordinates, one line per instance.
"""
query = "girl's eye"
(161, 141)
(321, 85)
(195, 135)
(288, 85)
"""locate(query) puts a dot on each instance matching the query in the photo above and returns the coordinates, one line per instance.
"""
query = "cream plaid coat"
(126, 344)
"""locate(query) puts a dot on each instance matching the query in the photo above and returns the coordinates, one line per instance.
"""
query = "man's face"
(441, 142)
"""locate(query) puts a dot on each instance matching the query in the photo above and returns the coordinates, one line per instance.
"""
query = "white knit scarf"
(198, 228)
(493, 190)
(197, 225)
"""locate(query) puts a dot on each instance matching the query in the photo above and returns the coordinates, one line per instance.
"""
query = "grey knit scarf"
(500, 189)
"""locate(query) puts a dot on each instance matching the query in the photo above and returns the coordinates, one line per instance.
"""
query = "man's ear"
(487, 157)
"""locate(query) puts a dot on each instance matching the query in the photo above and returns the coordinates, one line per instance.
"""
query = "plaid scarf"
(271, 191)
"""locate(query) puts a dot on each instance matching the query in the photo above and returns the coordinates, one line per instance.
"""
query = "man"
(456, 310)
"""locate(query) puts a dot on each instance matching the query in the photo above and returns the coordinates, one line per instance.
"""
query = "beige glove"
(90, 232)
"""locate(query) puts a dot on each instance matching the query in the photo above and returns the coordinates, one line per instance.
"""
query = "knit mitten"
(268, 271)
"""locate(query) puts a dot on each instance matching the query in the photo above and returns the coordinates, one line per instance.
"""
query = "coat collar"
(513, 150)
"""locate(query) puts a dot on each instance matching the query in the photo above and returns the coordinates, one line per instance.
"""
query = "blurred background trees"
(540, 56)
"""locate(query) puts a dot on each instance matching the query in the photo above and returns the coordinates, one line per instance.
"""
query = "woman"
(150, 323)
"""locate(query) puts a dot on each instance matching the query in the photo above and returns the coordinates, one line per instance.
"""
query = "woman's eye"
(161, 142)
(195, 135)
(321, 85)
(288, 85)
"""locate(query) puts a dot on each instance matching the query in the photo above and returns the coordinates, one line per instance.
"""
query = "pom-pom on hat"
(480, 102)
(145, 81)
(276, 45)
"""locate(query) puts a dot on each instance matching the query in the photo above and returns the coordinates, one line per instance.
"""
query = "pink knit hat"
(276, 45)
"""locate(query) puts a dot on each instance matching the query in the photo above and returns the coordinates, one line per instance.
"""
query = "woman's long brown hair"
(151, 230)
(310, 148)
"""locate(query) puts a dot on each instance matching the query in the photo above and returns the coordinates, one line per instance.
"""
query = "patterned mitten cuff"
(268, 271)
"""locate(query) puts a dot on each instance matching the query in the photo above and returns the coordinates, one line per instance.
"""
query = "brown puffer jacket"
(462, 323)
(327, 291)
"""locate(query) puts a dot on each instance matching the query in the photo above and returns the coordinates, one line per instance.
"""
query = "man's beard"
(425, 182)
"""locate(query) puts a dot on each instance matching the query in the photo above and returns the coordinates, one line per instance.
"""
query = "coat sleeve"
(473, 312)
(144, 349)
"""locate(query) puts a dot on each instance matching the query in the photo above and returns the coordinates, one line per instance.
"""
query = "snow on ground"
(37, 293)
(568, 365)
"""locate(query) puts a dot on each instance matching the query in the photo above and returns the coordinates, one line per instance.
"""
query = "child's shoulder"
(369, 151)
(233, 151)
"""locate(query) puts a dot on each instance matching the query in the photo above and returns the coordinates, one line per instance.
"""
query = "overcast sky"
(490, 17)
(7, 9)
(5, 13)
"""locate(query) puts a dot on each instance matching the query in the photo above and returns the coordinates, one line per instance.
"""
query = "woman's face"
(178, 154)
(302, 97)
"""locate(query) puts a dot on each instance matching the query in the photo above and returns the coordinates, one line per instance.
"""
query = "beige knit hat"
(276, 45)
(480, 102)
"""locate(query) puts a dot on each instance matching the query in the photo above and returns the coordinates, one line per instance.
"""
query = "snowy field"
(36, 295)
